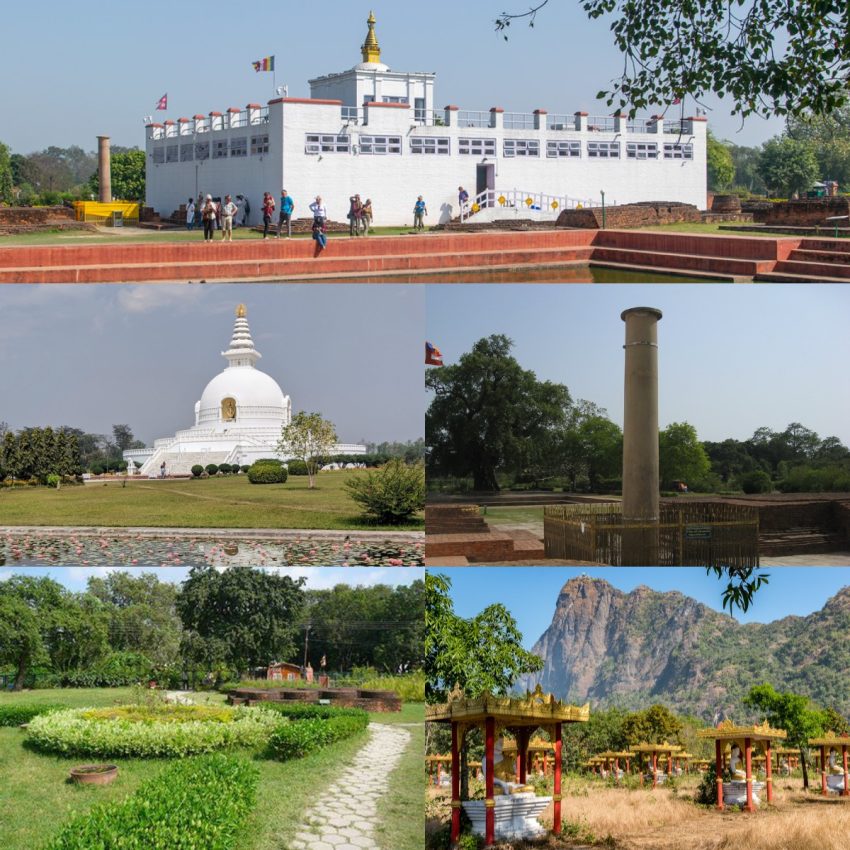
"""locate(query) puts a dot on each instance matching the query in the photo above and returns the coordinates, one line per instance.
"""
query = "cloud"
(152, 297)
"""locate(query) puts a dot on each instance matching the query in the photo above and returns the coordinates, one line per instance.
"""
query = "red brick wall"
(807, 212)
(33, 215)
(630, 215)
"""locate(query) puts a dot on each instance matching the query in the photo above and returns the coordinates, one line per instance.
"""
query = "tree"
(128, 176)
(20, 638)
(308, 437)
(391, 494)
(123, 436)
(483, 653)
(6, 182)
(770, 58)
(746, 161)
(721, 168)
(788, 166)
(250, 615)
(489, 414)
(681, 455)
(830, 137)
(791, 712)
(655, 725)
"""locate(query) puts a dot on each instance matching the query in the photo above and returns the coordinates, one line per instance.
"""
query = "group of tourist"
(212, 214)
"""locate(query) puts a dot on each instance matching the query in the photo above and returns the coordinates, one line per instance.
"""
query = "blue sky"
(73, 71)
(318, 578)
(530, 593)
(93, 356)
(732, 358)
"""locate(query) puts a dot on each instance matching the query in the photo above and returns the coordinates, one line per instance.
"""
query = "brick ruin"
(15, 220)
(385, 701)
(630, 215)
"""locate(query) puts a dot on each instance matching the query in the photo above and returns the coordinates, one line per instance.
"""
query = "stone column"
(640, 438)
(104, 170)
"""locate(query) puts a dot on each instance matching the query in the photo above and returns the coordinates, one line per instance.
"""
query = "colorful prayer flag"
(433, 355)
(266, 64)
(162, 103)
(677, 101)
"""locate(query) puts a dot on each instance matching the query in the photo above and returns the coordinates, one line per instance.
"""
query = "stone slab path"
(345, 816)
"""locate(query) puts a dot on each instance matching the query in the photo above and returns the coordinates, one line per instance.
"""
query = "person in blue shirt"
(419, 213)
(287, 207)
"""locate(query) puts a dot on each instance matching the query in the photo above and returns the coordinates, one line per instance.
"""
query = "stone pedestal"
(735, 792)
(515, 815)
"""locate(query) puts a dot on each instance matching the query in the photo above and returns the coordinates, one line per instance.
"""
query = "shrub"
(211, 468)
(757, 481)
(201, 802)
(391, 494)
(197, 470)
(306, 711)
(16, 714)
(225, 468)
(114, 671)
(170, 732)
(706, 794)
(267, 472)
(53, 480)
(244, 468)
(97, 468)
(299, 739)
(297, 467)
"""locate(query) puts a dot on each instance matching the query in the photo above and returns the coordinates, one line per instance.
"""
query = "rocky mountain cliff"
(644, 647)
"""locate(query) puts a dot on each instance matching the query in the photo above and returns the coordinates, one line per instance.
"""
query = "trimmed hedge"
(72, 733)
(309, 711)
(197, 470)
(15, 715)
(302, 737)
(199, 803)
(297, 467)
(268, 472)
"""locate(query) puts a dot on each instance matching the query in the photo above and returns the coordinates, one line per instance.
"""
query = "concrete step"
(812, 269)
(327, 265)
(806, 254)
(788, 277)
(683, 262)
(836, 246)
(707, 245)
(181, 463)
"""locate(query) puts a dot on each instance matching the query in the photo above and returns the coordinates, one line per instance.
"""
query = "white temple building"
(376, 131)
(238, 419)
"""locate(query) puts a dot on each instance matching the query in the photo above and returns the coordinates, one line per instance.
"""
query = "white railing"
(519, 199)
(353, 114)
(430, 117)
(678, 127)
(467, 118)
(640, 125)
(518, 121)
(601, 123)
(561, 122)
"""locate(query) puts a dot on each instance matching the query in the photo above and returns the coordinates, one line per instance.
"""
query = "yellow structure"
(101, 213)
(831, 744)
(652, 752)
(371, 49)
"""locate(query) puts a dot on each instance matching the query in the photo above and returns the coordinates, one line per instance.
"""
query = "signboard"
(698, 532)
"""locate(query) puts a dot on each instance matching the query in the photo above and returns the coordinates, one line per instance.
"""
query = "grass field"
(37, 798)
(107, 236)
(225, 502)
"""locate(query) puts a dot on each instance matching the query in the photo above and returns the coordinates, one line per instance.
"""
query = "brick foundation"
(630, 215)
(385, 701)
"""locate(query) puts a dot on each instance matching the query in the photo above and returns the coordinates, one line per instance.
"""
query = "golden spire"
(241, 312)
(371, 50)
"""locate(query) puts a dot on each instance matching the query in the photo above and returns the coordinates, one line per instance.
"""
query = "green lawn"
(106, 236)
(37, 798)
(225, 502)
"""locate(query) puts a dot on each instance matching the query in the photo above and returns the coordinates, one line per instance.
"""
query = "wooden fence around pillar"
(695, 534)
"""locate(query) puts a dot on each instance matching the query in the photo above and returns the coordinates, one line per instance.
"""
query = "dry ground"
(620, 819)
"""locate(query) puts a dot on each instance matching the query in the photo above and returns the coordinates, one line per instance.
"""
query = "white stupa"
(238, 419)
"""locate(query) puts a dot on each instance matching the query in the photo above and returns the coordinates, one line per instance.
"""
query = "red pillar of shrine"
(823, 772)
(748, 758)
(669, 765)
(654, 770)
(846, 777)
(489, 801)
(628, 771)
(718, 766)
(640, 768)
(617, 771)
(544, 763)
(768, 769)
(455, 785)
(556, 825)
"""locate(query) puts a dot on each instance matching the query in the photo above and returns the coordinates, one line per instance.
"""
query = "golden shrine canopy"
(728, 731)
(831, 739)
(534, 709)
(666, 747)
(534, 744)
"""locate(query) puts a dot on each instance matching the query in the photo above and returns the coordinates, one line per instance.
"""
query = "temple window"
(563, 149)
(158, 155)
(202, 150)
(172, 153)
(259, 145)
(380, 144)
(521, 147)
(239, 146)
(430, 144)
(641, 150)
(317, 144)
(675, 151)
(476, 147)
(603, 150)
(220, 149)
(187, 152)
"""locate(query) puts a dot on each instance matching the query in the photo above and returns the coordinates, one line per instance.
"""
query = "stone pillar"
(104, 170)
(640, 438)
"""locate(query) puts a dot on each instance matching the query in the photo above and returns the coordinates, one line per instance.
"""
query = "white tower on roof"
(372, 81)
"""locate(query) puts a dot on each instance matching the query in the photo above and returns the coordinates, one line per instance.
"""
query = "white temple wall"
(394, 180)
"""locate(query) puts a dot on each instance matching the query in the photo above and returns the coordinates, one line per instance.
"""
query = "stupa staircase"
(181, 463)
(815, 260)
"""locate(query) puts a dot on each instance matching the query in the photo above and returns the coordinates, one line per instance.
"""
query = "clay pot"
(94, 774)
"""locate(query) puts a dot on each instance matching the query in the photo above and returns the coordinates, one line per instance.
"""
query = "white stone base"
(735, 793)
(661, 778)
(515, 815)
(835, 783)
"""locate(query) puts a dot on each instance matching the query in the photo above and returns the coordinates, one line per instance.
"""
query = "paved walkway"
(831, 559)
(345, 816)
